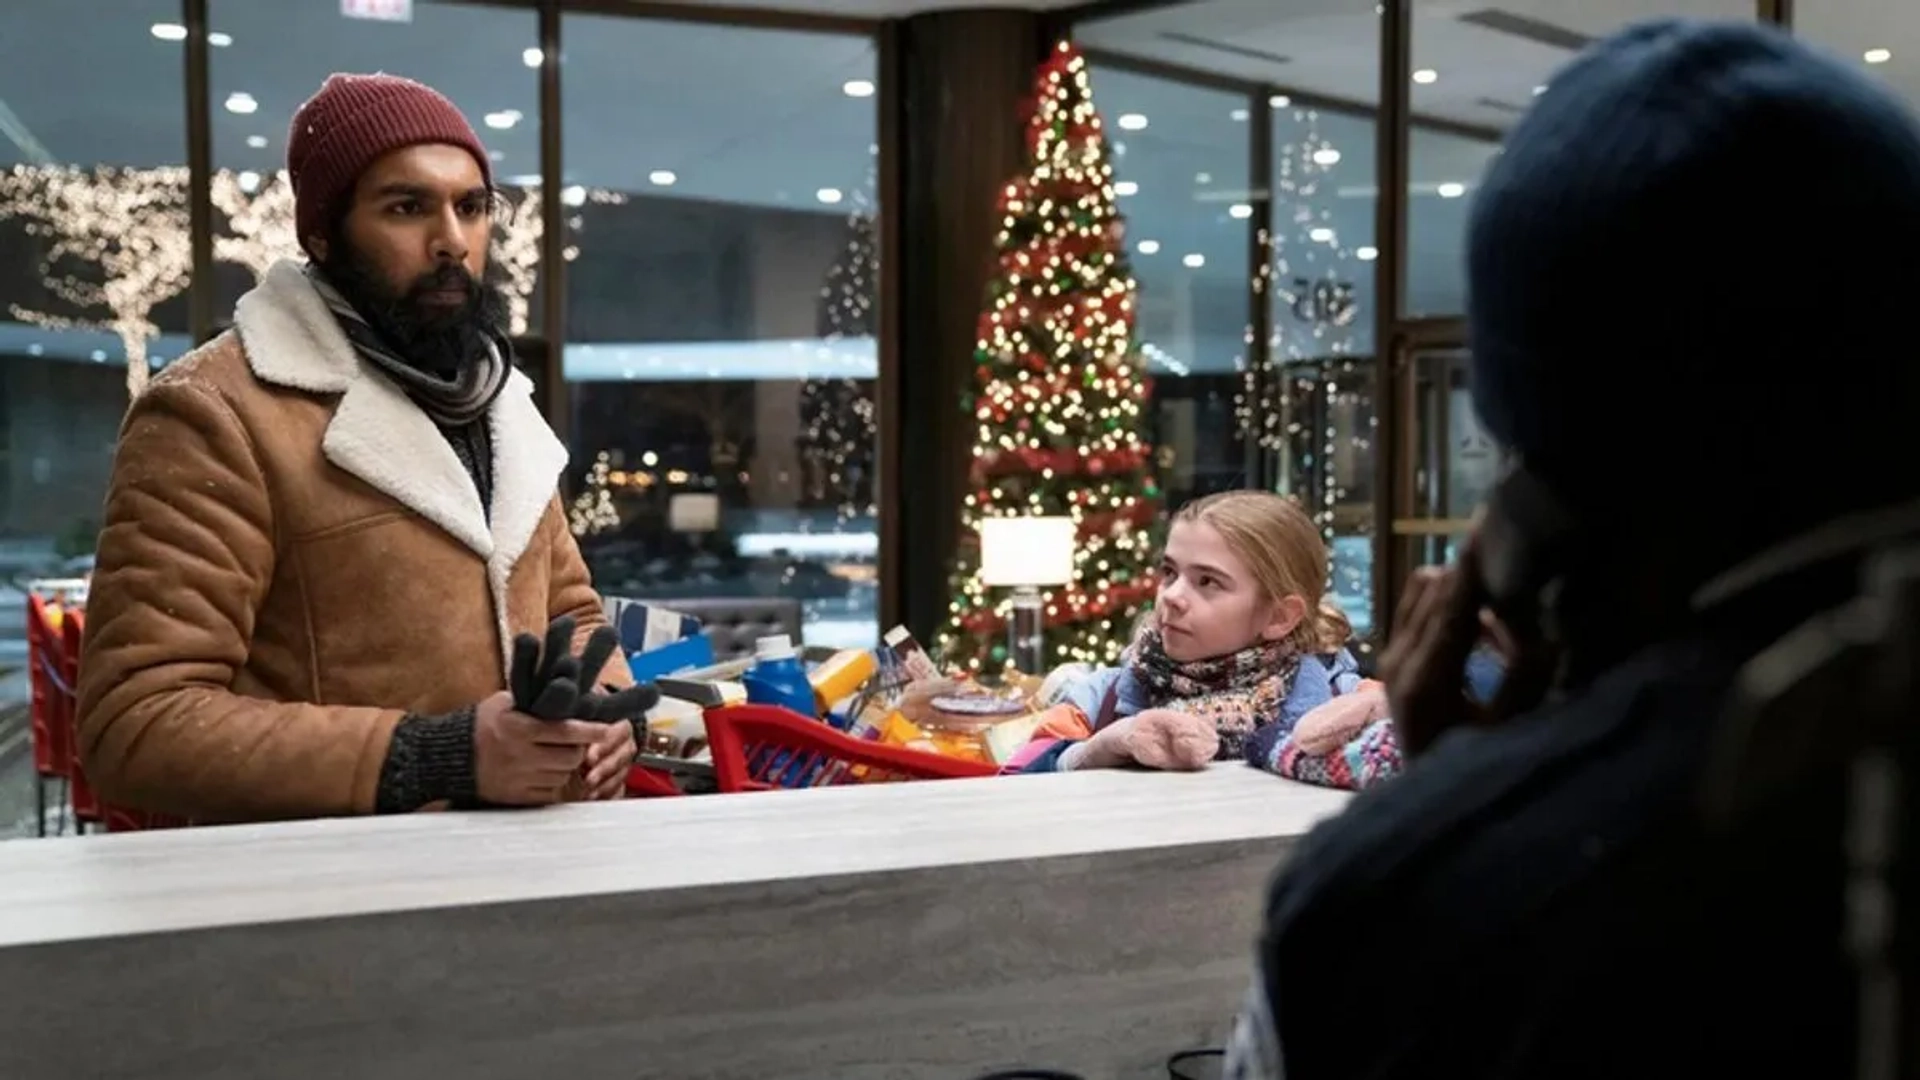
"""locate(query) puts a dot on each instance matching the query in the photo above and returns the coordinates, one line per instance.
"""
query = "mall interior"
(745, 246)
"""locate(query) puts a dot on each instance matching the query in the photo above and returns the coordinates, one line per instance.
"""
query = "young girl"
(1241, 658)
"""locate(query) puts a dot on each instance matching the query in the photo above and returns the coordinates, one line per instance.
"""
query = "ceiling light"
(167, 31)
(258, 142)
(249, 181)
(1871, 56)
(662, 178)
(504, 119)
(241, 103)
(828, 195)
(99, 356)
(532, 57)
(1239, 115)
(1366, 253)
(1451, 190)
(219, 40)
(1148, 247)
(574, 195)
(1194, 260)
(1125, 187)
(1240, 211)
(1132, 121)
(1426, 76)
(1279, 101)
(1203, 178)
(1321, 235)
(1326, 155)
(496, 155)
(1538, 90)
(857, 88)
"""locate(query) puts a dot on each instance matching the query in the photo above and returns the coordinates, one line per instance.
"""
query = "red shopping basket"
(764, 747)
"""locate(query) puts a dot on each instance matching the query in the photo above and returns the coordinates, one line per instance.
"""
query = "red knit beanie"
(349, 124)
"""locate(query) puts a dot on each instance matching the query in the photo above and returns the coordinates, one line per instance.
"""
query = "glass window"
(1475, 71)
(94, 268)
(720, 315)
(1882, 39)
(1181, 168)
(271, 55)
(1320, 404)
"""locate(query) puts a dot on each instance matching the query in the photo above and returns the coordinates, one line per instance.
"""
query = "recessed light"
(258, 142)
(1538, 90)
(496, 155)
(1194, 260)
(532, 57)
(241, 103)
(1148, 247)
(1326, 155)
(1366, 253)
(1450, 190)
(1203, 178)
(219, 40)
(1240, 115)
(1132, 121)
(1871, 56)
(1240, 210)
(829, 195)
(167, 31)
(1125, 187)
(662, 178)
(1279, 101)
(99, 356)
(1426, 76)
(857, 88)
(36, 349)
(249, 181)
(504, 119)
(573, 195)
(1321, 235)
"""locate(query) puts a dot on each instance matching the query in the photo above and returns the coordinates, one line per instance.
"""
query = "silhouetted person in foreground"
(1684, 339)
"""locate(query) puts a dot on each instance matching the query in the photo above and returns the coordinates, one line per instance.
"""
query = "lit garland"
(1059, 392)
(837, 449)
(1306, 248)
(592, 511)
(131, 224)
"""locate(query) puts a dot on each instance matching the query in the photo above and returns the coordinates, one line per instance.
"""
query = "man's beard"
(434, 337)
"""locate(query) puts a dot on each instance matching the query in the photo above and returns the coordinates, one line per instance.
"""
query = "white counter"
(1096, 921)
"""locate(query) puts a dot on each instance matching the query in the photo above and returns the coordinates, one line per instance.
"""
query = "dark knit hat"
(1677, 297)
(350, 123)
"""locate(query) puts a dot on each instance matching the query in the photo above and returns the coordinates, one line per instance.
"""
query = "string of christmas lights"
(1310, 352)
(840, 423)
(593, 512)
(128, 226)
(1059, 392)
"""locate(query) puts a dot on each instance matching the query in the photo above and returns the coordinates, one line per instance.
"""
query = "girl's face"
(1209, 603)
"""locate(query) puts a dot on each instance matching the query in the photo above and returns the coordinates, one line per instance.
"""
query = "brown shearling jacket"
(292, 559)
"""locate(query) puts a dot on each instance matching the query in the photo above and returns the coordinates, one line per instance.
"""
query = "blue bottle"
(778, 677)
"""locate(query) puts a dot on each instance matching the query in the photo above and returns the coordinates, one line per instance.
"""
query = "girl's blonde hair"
(1285, 553)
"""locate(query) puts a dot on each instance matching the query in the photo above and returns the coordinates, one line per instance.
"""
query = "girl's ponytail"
(1331, 627)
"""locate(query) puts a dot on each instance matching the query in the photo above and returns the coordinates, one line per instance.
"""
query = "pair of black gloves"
(551, 683)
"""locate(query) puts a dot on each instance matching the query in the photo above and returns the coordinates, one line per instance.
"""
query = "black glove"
(546, 680)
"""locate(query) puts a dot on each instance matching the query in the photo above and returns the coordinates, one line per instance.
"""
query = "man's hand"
(608, 760)
(520, 760)
(1441, 619)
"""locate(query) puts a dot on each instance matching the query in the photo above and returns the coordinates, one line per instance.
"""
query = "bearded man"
(327, 526)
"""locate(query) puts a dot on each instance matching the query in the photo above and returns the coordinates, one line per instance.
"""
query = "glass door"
(1444, 461)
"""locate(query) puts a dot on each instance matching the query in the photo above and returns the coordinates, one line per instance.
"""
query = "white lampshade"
(693, 512)
(1016, 551)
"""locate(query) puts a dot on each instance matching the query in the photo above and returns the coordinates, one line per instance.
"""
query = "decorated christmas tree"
(1059, 392)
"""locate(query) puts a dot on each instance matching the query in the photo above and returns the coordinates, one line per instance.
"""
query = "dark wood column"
(953, 84)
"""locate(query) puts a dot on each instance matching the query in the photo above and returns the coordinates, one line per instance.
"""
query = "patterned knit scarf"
(1238, 692)
(452, 403)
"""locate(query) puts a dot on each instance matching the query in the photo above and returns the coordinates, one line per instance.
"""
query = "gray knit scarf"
(452, 403)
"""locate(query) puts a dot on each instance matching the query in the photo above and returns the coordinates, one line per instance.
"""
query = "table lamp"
(1027, 554)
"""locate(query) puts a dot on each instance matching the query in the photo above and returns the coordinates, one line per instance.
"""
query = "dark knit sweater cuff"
(430, 760)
